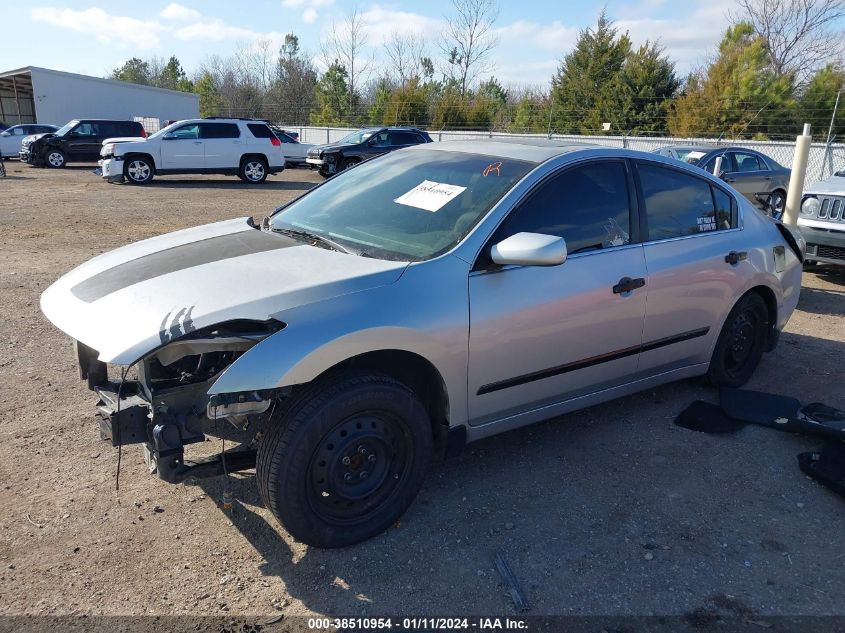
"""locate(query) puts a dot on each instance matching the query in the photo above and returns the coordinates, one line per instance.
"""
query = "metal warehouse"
(40, 95)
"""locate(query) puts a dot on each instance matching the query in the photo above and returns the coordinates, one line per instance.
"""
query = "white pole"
(796, 180)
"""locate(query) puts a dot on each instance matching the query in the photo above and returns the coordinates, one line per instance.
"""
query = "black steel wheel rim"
(741, 341)
(358, 466)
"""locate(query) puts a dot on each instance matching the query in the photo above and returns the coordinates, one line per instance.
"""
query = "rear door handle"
(734, 257)
(627, 284)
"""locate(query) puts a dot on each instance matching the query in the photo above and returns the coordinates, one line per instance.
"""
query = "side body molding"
(428, 317)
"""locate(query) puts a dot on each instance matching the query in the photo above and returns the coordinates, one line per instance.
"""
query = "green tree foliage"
(173, 77)
(291, 93)
(378, 110)
(332, 93)
(531, 114)
(818, 99)
(587, 89)
(648, 85)
(449, 109)
(211, 103)
(136, 71)
(407, 105)
(738, 94)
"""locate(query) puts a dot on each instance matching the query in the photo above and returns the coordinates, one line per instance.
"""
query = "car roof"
(536, 150)
(694, 148)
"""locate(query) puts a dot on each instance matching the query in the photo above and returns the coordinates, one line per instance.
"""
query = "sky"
(534, 35)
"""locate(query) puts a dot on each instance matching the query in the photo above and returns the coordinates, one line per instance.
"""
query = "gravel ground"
(613, 510)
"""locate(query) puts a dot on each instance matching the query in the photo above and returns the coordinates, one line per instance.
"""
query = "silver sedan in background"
(752, 173)
(430, 297)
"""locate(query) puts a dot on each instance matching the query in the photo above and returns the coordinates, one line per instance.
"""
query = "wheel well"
(246, 157)
(772, 308)
(141, 155)
(416, 373)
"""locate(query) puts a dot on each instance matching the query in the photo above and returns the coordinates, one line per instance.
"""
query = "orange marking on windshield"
(493, 167)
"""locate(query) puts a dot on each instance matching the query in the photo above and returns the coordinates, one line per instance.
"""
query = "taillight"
(275, 141)
(143, 133)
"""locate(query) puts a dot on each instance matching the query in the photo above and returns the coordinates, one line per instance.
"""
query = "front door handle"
(627, 284)
(734, 257)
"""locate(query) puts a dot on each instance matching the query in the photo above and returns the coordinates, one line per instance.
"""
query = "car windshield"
(690, 155)
(66, 127)
(406, 206)
(355, 137)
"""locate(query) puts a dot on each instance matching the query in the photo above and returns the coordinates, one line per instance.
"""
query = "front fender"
(425, 313)
(299, 355)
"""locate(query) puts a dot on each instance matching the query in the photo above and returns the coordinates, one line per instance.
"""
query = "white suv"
(243, 147)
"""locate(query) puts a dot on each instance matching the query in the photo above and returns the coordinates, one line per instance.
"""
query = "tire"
(741, 343)
(777, 203)
(55, 159)
(345, 460)
(253, 170)
(348, 162)
(138, 170)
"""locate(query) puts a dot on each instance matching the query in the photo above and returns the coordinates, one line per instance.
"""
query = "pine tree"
(587, 89)
(332, 93)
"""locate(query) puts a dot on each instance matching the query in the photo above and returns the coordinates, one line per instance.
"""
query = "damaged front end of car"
(166, 406)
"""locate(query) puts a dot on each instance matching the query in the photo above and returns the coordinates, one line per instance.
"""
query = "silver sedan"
(421, 300)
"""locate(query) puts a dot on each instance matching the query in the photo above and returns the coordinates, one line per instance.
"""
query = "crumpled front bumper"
(111, 169)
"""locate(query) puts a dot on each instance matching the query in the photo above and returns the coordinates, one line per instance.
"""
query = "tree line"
(778, 64)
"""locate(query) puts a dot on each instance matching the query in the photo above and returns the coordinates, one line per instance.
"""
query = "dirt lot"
(613, 510)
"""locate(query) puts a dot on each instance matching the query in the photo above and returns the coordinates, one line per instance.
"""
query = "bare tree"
(405, 52)
(800, 34)
(346, 45)
(469, 39)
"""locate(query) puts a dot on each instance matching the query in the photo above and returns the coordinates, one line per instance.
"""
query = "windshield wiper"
(314, 238)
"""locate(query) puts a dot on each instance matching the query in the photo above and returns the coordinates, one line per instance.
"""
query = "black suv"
(77, 140)
(361, 145)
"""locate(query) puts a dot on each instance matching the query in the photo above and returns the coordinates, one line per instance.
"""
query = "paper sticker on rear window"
(429, 195)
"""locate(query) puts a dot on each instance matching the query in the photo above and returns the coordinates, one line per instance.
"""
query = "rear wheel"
(741, 342)
(253, 170)
(344, 461)
(55, 159)
(138, 170)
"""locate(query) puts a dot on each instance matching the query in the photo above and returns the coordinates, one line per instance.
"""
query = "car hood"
(131, 301)
(124, 139)
(34, 137)
(329, 148)
(834, 185)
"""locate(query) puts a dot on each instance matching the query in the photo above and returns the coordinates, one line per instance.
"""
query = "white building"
(40, 95)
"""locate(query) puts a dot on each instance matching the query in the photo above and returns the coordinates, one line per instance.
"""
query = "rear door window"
(747, 162)
(679, 204)
(219, 130)
(403, 138)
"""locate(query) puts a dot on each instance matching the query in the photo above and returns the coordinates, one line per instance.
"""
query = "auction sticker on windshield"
(429, 195)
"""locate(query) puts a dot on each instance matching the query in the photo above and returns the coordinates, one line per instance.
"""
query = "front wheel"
(777, 203)
(55, 159)
(345, 459)
(138, 170)
(741, 342)
(253, 170)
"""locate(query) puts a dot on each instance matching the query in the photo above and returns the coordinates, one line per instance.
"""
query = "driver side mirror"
(530, 249)
(170, 136)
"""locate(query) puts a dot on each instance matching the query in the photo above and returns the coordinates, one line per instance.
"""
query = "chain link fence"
(823, 161)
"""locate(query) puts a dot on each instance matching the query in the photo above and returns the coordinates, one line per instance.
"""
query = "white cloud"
(382, 23)
(555, 37)
(120, 31)
(310, 15)
(215, 29)
(293, 4)
(175, 11)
